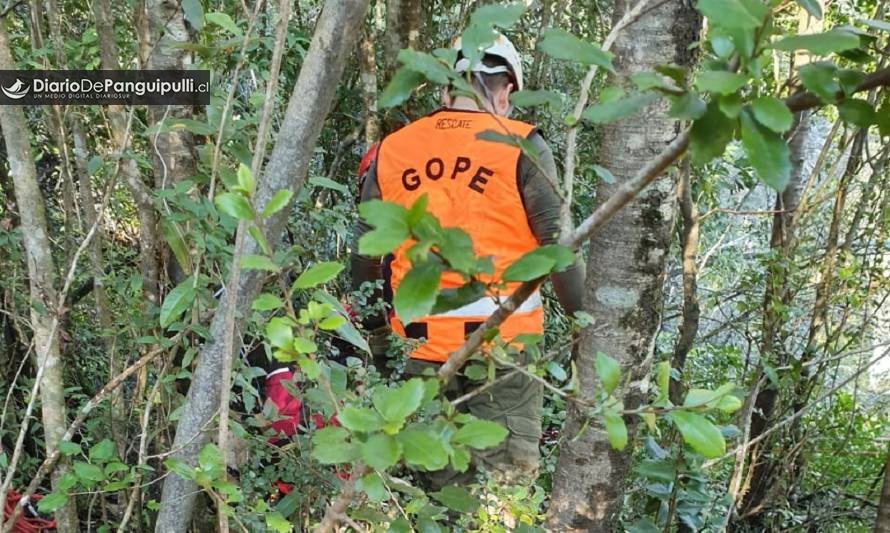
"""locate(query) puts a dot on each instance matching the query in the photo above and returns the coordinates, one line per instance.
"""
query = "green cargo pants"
(516, 404)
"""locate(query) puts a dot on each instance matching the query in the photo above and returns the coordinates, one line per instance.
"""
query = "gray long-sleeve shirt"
(542, 207)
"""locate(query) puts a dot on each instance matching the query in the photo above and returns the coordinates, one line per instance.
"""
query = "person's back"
(507, 205)
(470, 184)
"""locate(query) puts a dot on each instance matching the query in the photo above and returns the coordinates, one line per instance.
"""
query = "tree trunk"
(148, 219)
(882, 522)
(42, 278)
(173, 151)
(625, 274)
(309, 104)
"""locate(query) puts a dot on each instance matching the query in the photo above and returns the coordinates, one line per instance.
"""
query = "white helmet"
(502, 48)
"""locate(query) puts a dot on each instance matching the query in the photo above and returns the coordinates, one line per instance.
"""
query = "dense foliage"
(764, 409)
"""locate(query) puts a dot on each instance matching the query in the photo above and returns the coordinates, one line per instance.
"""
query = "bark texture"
(625, 274)
(289, 162)
(882, 522)
(148, 219)
(42, 280)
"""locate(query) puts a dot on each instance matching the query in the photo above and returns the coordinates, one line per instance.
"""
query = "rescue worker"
(508, 206)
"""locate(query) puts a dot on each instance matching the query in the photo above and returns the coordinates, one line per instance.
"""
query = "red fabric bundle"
(25, 524)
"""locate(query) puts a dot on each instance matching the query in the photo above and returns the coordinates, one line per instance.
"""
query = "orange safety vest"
(472, 185)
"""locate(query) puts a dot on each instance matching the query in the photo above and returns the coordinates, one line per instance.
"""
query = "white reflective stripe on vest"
(487, 305)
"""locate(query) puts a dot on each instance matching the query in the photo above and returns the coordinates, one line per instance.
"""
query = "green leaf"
(52, 502)
(530, 266)
(277, 202)
(94, 164)
(333, 321)
(417, 292)
(699, 433)
(395, 405)
(179, 468)
(278, 523)
(772, 113)
(690, 106)
(258, 262)
(767, 152)
(456, 247)
(540, 262)
(812, 7)
(560, 44)
(280, 332)
(662, 470)
(528, 148)
(457, 498)
(856, 111)
(245, 179)
(480, 434)
(234, 205)
(372, 485)
(304, 345)
(604, 173)
(429, 66)
(194, 13)
(881, 25)
(400, 87)
(68, 448)
(392, 227)
(381, 451)
(102, 452)
(347, 331)
(421, 448)
(720, 81)
(173, 234)
(728, 13)
(883, 118)
(822, 44)
(266, 302)
(819, 78)
(500, 15)
(605, 113)
(616, 430)
(88, 473)
(850, 80)
(328, 183)
(730, 105)
(177, 301)
(317, 274)
(223, 21)
(556, 370)
(608, 370)
(330, 446)
(527, 98)
(210, 459)
(360, 419)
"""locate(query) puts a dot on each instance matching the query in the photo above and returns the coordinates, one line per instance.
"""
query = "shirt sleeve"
(542, 202)
(367, 268)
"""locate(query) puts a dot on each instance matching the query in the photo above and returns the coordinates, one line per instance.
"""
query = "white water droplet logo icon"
(18, 90)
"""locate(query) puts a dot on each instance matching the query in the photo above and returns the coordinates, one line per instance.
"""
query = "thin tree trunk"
(775, 295)
(368, 74)
(173, 150)
(97, 257)
(149, 240)
(882, 522)
(42, 278)
(307, 108)
(761, 465)
(691, 311)
(625, 275)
